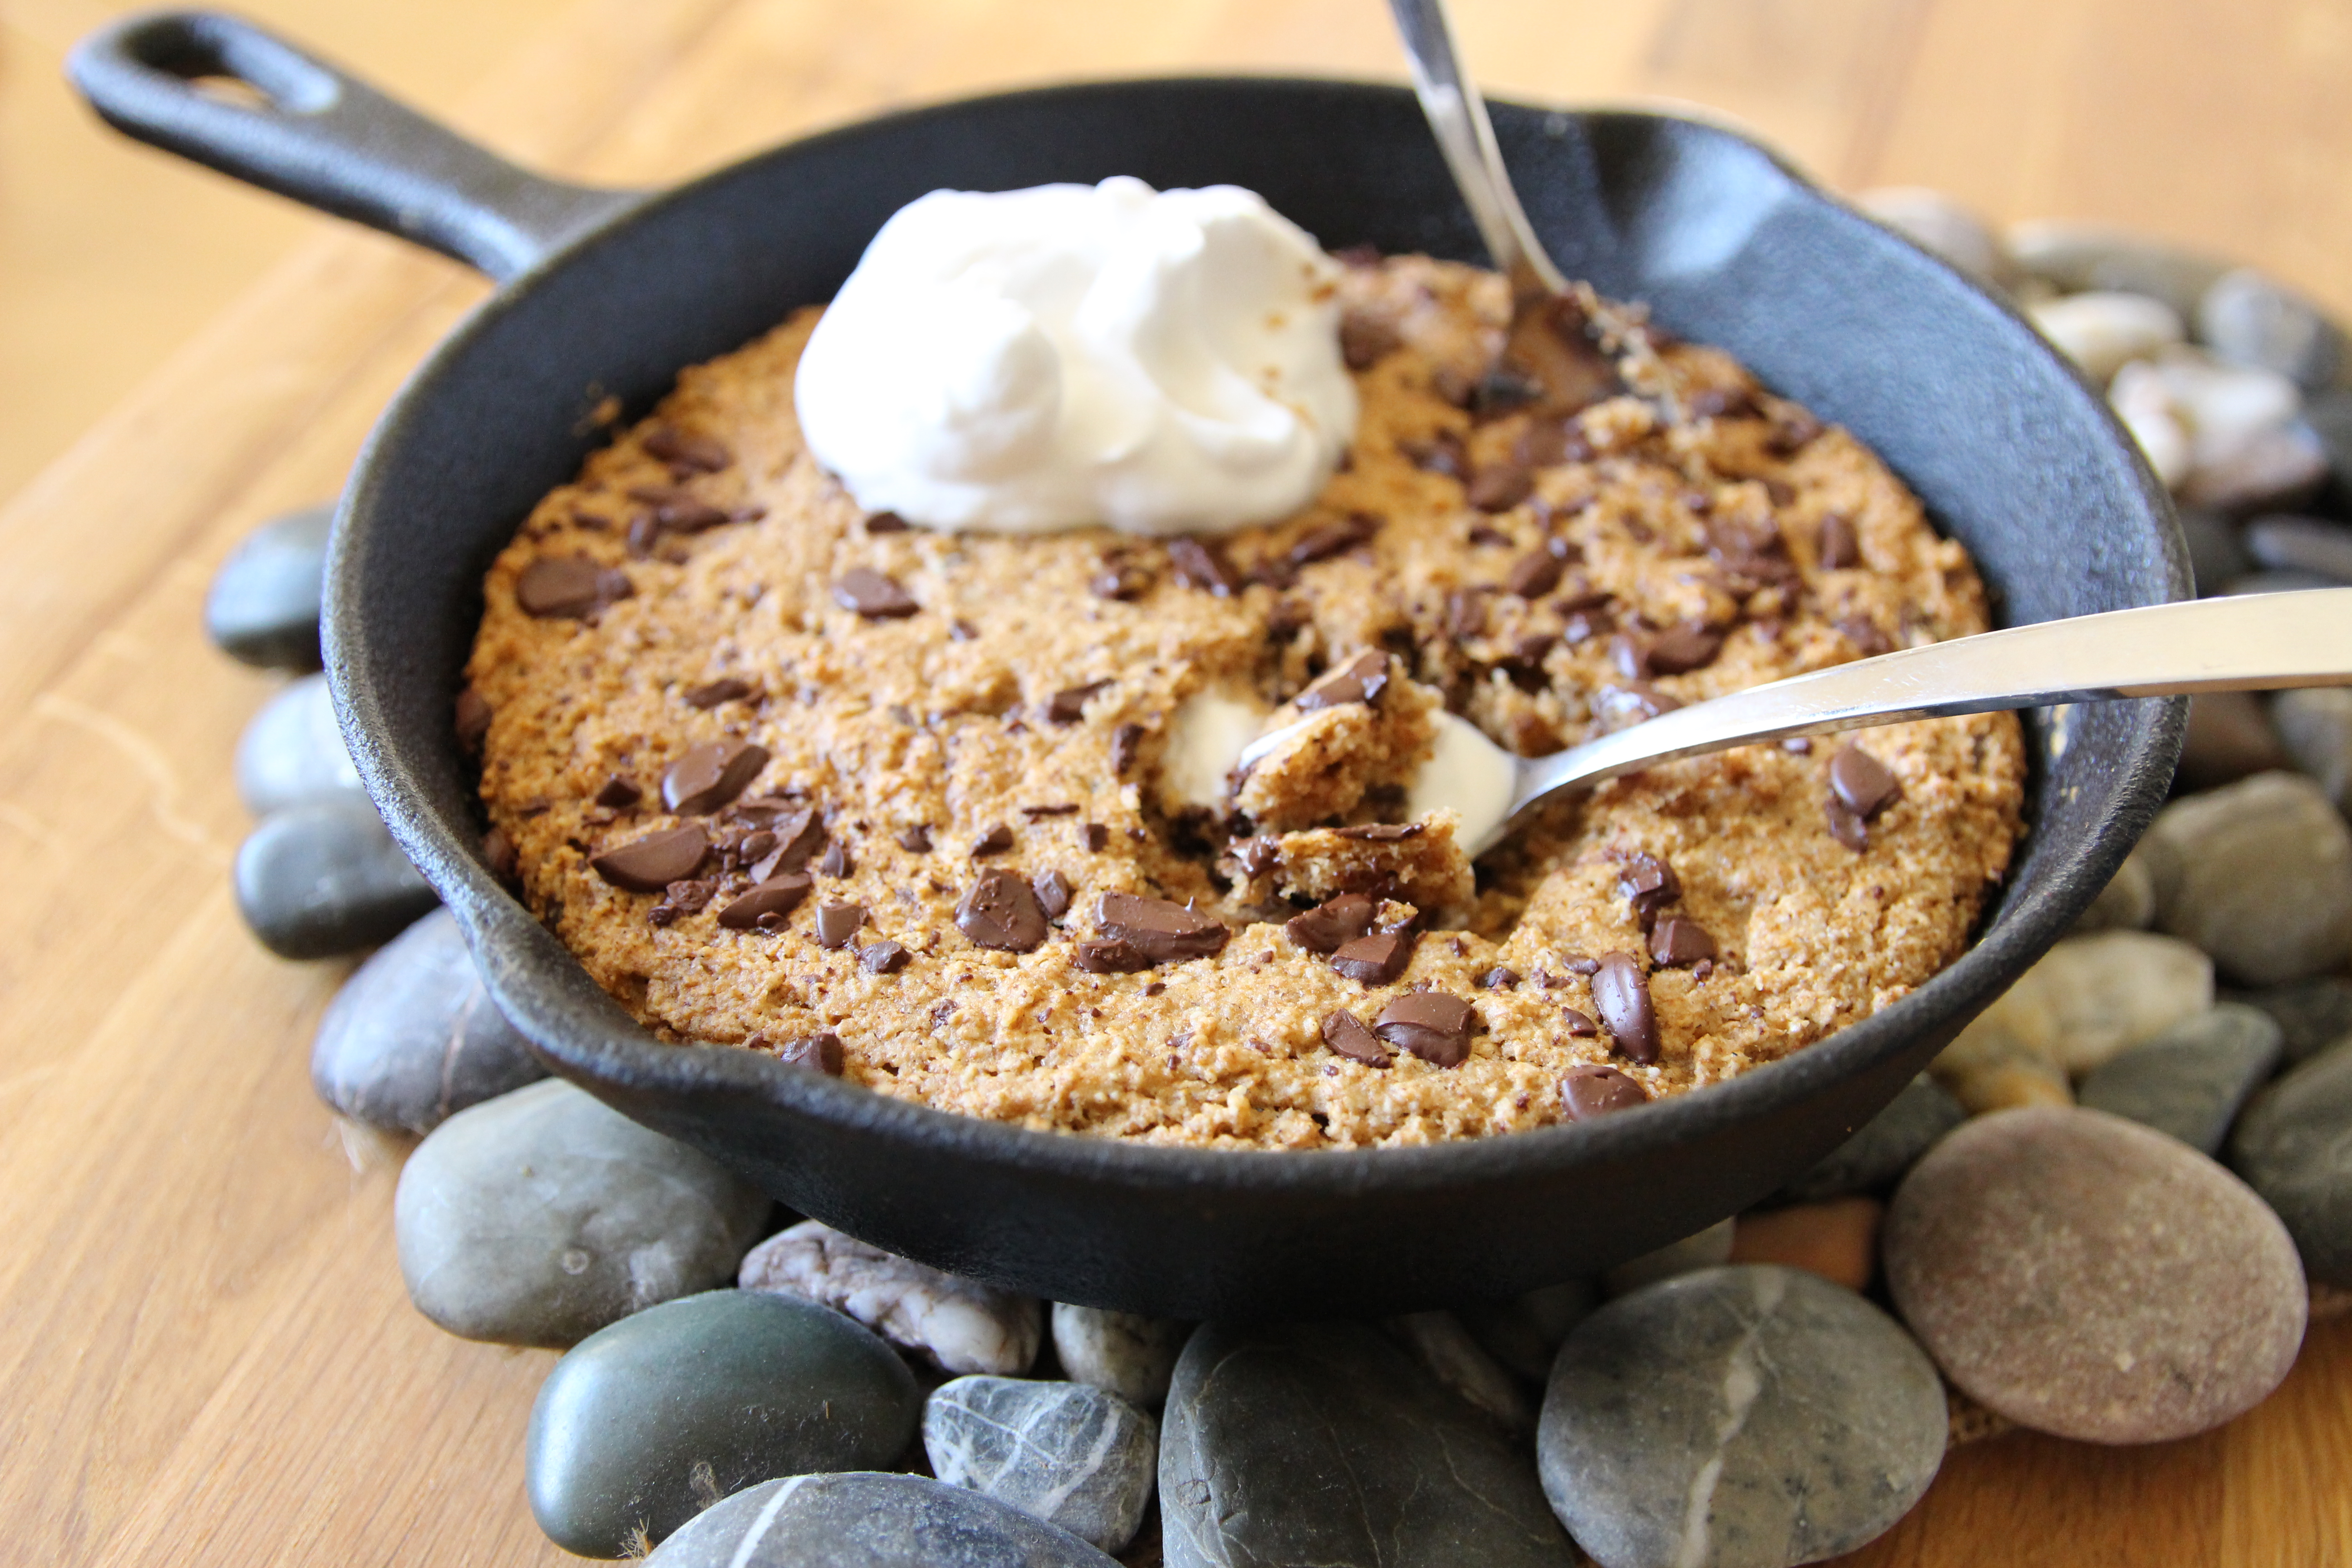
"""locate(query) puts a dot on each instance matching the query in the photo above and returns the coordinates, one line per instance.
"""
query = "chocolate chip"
(914, 840)
(1720, 402)
(1165, 932)
(1346, 1036)
(1501, 390)
(1360, 679)
(618, 794)
(1499, 978)
(1863, 783)
(1846, 828)
(1036, 813)
(1381, 832)
(1632, 702)
(1120, 579)
(1839, 548)
(1443, 453)
(1375, 960)
(794, 840)
(1332, 924)
(821, 1052)
(1329, 538)
(568, 586)
(473, 721)
(1095, 837)
(961, 630)
(1649, 884)
(1548, 443)
(1577, 1024)
(1052, 890)
(767, 905)
(1676, 941)
(682, 898)
(1525, 663)
(872, 594)
(882, 958)
(1466, 615)
(498, 855)
(1583, 626)
(1068, 705)
(1797, 745)
(710, 775)
(838, 861)
(650, 864)
(996, 841)
(1793, 430)
(1432, 1025)
(1499, 487)
(1534, 574)
(1863, 633)
(1199, 567)
(1258, 856)
(726, 688)
(689, 514)
(1595, 1088)
(1001, 912)
(887, 523)
(837, 924)
(1682, 647)
(1125, 742)
(685, 449)
(1622, 994)
(1366, 339)
(1110, 955)
(1556, 347)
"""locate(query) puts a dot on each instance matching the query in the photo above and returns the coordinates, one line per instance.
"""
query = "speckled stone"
(2192, 1081)
(1064, 1452)
(1751, 1417)
(653, 1420)
(414, 1037)
(959, 1325)
(541, 1217)
(2266, 879)
(864, 1519)
(1326, 1444)
(324, 878)
(1886, 1146)
(2316, 727)
(2293, 1146)
(292, 751)
(2086, 1276)
(263, 607)
(2312, 1014)
(1124, 1353)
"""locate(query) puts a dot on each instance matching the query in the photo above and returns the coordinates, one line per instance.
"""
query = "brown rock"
(1837, 1240)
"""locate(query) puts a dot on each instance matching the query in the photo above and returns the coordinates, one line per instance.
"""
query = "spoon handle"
(2254, 642)
(1457, 114)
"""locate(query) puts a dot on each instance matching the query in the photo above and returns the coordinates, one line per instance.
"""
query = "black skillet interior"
(2014, 454)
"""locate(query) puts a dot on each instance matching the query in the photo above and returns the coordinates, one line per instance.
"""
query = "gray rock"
(1064, 1452)
(2315, 726)
(2088, 1276)
(868, 1521)
(2214, 554)
(1449, 1353)
(2077, 257)
(2126, 903)
(2192, 1081)
(1751, 1416)
(1702, 1249)
(2265, 879)
(959, 1325)
(414, 1037)
(2250, 319)
(655, 1418)
(2288, 543)
(1940, 226)
(2089, 998)
(2312, 1014)
(2277, 583)
(324, 878)
(263, 607)
(292, 750)
(2329, 414)
(1128, 1354)
(1525, 1333)
(2293, 1146)
(2230, 738)
(1324, 1443)
(1883, 1148)
(2272, 470)
(541, 1217)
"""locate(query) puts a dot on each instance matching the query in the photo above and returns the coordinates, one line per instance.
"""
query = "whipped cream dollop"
(1162, 362)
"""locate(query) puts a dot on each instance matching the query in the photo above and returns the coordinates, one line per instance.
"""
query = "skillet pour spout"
(605, 292)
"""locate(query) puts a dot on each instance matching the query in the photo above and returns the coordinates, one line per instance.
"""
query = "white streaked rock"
(961, 1325)
(1064, 1452)
(2104, 331)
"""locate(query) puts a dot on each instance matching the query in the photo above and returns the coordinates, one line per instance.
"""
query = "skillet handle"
(222, 92)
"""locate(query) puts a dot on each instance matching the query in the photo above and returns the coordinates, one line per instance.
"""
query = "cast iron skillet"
(607, 293)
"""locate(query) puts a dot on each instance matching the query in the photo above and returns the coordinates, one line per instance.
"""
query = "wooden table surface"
(207, 1355)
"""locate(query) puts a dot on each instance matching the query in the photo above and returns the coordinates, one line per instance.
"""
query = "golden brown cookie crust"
(1689, 510)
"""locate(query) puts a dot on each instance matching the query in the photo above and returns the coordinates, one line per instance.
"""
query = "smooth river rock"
(1127, 1353)
(1324, 1443)
(1883, 1148)
(2311, 544)
(2215, 555)
(263, 607)
(2192, 1081)
(2126, 903)
(1751, 1417)
(2265, 879)
(1525, 1332)
(2088, 1276)
(541, 1217)
(2312, 1014)
(1935, 223)
(2088, 999)
(292, 751)
(1700, 1250)
(2315, 726)
(413, 1037)
(865, 1520)
(2230, 738)
(1449, 1353)
(1066, 1453)
(2104, 330)
(2250, 318)
(959, 1325)
(2078, 256)
(1836, 1239)
(649, 1421)
(324, 878)
(2293, 1146)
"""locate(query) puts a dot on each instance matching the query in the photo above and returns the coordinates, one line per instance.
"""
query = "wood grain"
(208, 1355)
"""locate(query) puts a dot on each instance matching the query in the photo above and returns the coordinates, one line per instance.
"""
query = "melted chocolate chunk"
(1365, 340)
(1037, 813)
(1846, 828)
(1839, 549)
(1257, 857)
(1376, 959)
(1548, 443)
(1622, 991)
(1381, 832)
(838, 861)
(710, 775)
(1432, 1025)
(793, 840)
(1122, 579)
(569, 587)
(1001, 912)
(1499, 487)
(683, 898)
(1322, 543)
(768, 905)
(1863, 785)
(882, 958)
(1499, 978)
(1125, 742)
(1595, 1088)
(1443, 453)
(1095, 837)
(1720, 402)
(1466, 615)
(1863, 633)
(473, 721)
(618, 794)
(651, 864)
(685, 449)
(1332, 924)
(1199, 566)
(1346, 1036)
(1361, 680)
(914, 840)
(1052, 890)
(820, 1052)
(887, 523)
(1793, 430)
(1534, 575)
(837, 924)
(1163, 930)
(689, 514)
(873, 595)
(1555, 348)
(1574, 1020)
(1110, 955)
(1676, 941)
(1683, 647)
(1649, 884)
(726, 688)
(996, 841)
(1633, 703)
(1069, 705)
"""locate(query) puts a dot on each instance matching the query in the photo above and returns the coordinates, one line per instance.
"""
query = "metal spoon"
(2255, 642)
